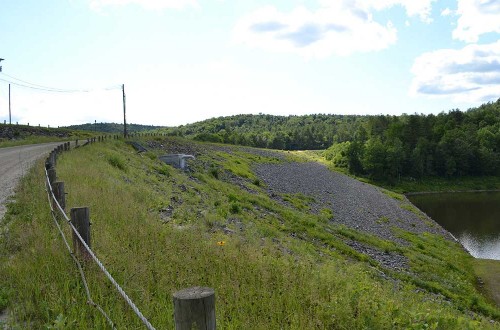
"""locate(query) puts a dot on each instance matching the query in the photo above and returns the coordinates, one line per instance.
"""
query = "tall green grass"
(280, 267)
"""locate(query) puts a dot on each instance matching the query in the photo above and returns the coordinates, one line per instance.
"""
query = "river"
(472, 217)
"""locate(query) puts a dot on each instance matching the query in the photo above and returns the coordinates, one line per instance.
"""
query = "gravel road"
(14, 163)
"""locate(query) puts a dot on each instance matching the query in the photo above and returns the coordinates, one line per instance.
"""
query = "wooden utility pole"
(124, 116)
(10, 116)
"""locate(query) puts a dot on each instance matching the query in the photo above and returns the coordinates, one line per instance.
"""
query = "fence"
(192, 306)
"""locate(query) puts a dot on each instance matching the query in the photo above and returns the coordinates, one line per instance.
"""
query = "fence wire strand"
(90, 301)
(96, 260)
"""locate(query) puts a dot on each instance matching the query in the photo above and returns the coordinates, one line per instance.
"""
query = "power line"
(36, 85)
(26, 84)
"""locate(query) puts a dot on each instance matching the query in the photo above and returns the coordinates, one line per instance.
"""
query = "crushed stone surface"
(354, 204)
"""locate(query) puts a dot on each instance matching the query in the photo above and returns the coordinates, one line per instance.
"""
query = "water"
(473, 218)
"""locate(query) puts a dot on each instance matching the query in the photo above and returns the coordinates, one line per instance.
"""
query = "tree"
(374, 158)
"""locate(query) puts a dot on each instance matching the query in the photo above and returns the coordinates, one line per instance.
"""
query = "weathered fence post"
(48, 163)
(59, 193)
(52, 176)
(80, 218)
(194, 308)
(52, 158)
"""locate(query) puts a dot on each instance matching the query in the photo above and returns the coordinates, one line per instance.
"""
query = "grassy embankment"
(485, 269)
(157, 230)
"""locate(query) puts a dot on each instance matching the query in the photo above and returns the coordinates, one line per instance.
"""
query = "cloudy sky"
(187, 60)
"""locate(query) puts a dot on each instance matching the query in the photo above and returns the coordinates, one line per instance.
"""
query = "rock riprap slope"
(355, 204)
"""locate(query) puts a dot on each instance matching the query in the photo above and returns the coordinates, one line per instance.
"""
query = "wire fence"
(56, 209)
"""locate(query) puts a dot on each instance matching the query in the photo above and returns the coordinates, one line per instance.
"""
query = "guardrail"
(192, 306)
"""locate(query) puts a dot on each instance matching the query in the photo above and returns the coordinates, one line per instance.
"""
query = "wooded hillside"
(384, 147)
(452, 144)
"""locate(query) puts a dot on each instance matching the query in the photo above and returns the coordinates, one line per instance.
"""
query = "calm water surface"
(473, 218)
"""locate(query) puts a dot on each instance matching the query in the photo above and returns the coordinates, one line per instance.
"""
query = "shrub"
(235, 208)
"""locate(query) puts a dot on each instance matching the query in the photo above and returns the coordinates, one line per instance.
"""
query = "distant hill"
(316, 131)
(113, 127)
(10, 132)
(13, 135)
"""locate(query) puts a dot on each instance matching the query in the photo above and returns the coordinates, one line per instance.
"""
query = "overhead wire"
(29, 85)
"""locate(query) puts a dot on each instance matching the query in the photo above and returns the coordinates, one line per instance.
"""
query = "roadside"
(14, 164)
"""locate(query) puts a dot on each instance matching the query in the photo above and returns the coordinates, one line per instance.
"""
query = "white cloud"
(470, 74)
(148, 4)
(421, 8)
(446, 12)
(477, 17)
(336, 29)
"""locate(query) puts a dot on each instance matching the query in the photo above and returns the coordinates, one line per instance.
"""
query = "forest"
(384, 147)
(453, 144)
(111, 127)
(308, 132)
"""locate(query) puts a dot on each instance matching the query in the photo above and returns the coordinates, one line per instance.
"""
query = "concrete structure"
(176, 160)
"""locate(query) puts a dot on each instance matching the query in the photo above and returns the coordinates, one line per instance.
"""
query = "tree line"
(112, 127)
(309, 132)
(452, 144)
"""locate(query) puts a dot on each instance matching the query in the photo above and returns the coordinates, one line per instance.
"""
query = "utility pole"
(10, 116)
(124, 117)
(1, 59)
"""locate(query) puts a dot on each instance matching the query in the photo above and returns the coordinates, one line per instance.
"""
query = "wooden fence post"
(194, 308)
(80, 218)
(52, 158)
(60, 194)
(52, 176)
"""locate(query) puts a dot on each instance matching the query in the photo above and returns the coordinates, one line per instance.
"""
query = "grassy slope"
(156, 229)
(489, 272)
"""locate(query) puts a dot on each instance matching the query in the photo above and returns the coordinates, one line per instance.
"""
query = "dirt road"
(14, 163)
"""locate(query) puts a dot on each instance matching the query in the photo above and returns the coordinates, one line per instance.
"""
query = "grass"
(299, 201)
(489, 272)
(279, 267)
(435, 184)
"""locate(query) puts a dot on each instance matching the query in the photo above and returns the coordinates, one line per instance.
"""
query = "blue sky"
(187, 60)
